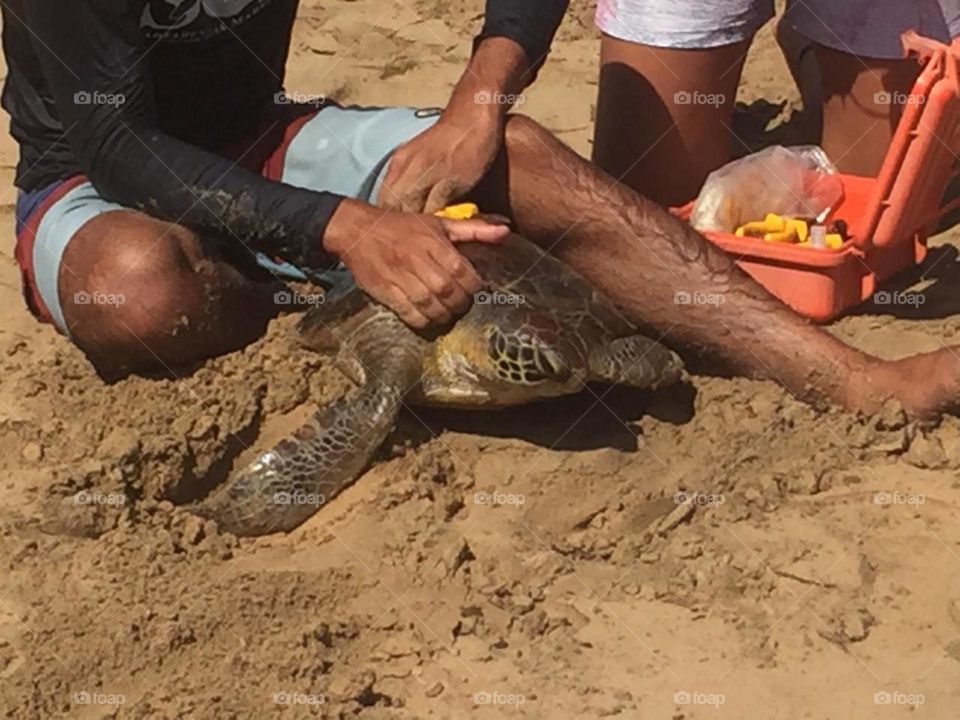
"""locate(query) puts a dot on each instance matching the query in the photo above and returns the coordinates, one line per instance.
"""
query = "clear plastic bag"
(790, 181)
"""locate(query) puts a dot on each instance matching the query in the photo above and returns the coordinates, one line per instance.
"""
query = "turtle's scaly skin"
(285, 485)
(539, 331)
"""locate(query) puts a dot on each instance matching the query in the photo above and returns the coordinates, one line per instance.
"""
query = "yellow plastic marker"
(463, 211)
(799, 227)
(776, 228)
(772, 223)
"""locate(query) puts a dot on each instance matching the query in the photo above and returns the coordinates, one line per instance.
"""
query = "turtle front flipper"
(287, 484)
(636, 361)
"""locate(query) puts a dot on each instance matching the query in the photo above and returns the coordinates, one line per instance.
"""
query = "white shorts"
(869, 28)
(683, 24)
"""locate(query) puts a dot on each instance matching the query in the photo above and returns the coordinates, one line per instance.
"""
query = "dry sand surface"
(788, 592)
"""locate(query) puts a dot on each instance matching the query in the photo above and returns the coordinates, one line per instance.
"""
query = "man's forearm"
(449, 159)
(496, 74)
(531, 24)
(509, 51)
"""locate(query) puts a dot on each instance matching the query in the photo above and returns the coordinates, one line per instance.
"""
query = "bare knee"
(130, 242)
(525, 133)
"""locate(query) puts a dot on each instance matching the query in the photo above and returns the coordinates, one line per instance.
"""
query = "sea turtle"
(539, 330)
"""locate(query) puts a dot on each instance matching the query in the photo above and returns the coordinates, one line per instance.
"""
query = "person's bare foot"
(926, 385)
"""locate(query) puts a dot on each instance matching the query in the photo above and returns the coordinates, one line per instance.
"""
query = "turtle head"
(521, 356)
(502, 359)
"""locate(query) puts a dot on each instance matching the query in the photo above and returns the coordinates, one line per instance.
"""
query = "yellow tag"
(776, 228)
(800, 227)
(834, 240)
(463, 211)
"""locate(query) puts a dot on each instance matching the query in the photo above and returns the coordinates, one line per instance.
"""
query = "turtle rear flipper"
(636, 361)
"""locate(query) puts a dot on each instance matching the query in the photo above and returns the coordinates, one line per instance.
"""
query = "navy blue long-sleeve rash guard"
(141, 95)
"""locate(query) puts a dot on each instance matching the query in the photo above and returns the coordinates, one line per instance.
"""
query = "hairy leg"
(664, 115)
(138, 294)
(641, 257)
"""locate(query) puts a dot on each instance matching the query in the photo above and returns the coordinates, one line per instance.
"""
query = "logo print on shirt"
(167, 15)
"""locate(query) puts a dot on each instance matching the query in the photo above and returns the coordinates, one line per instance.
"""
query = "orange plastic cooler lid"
(921, 158)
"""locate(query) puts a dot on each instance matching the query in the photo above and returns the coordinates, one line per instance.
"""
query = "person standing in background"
(670, 71)
(860, 80)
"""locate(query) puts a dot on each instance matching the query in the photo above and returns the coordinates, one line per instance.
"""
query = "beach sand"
(524, 564)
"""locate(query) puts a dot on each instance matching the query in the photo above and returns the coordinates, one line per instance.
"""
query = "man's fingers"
(446, 288)
(424, 300)
(475, 230)
(455, 266)
(409, 201)
(413, 200)
(443, 193)
(394, 298)
(412, 317)
(386, 196)
(397, 194)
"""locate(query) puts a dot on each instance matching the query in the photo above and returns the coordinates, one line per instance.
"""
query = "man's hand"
(409, 262)
(444, 163)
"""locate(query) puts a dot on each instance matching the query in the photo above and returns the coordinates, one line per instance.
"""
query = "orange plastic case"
(889, 216)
